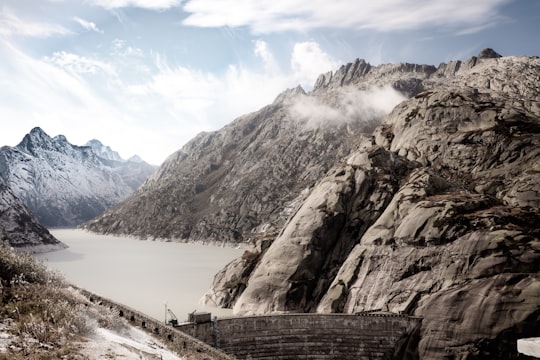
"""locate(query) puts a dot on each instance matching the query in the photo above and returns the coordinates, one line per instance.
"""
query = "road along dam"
(282, 336)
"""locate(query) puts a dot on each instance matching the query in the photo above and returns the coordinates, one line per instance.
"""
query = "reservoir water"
(142, 274)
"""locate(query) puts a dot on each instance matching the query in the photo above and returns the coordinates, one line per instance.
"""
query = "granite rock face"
(225, 185)
(436, 215)
(432, 212)
(244, 179)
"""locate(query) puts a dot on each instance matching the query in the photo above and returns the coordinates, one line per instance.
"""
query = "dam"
(282, 336)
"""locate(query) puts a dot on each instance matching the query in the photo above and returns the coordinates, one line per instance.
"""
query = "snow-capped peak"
(136, 159)
(65, 184)
(36, 138)
(103, 151)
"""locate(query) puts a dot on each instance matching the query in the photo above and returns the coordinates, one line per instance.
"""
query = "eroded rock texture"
(437, 215)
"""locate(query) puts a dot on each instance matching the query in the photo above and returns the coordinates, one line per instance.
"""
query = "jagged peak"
(380, 75)
(103, 151)
(488, 53)
(135, 158)
(455, 67)
(343, 75)
(289, 94)
(36, 138)
(94, 142)
(60, 138)
(38, 132)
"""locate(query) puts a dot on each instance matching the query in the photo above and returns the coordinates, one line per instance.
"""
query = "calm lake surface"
(142, 274)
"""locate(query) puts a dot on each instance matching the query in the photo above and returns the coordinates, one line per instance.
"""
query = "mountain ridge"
(434, 216)
(65, 184)
(188, 205)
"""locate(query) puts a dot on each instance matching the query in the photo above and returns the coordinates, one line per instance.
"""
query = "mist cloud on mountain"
(348, 105)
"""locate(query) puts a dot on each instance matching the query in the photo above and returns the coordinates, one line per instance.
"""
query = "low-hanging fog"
(345, 105)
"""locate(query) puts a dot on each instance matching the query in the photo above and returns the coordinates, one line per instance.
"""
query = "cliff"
(435, 215)
(20, 229)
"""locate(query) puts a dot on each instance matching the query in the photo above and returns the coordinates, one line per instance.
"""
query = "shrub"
(43, 312)
(21, 267)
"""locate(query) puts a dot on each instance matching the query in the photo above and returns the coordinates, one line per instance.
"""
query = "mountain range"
(64, 184)
(400, 188)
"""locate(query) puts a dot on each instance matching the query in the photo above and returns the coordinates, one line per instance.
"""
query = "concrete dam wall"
(366, 336)
(307, 336)
(158, 328)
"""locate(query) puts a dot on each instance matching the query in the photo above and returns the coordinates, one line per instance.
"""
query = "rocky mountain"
(103, 151)
(19, 227)
(133, 171)
(245, 179)
(432, 210)
(65, 184)
(435, 215)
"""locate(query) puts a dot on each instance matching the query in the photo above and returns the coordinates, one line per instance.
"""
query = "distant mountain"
(104, 152)
(134, 171)
(19, 227)
(65, 184)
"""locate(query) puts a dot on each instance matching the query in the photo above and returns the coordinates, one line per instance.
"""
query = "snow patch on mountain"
(65, 184)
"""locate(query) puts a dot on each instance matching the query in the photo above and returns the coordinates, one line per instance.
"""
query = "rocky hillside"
(246, 178)
(269, 157)
(435, 215)
(64, 184)
(19, 227)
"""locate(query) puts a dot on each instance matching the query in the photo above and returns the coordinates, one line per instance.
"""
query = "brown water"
(142, 274)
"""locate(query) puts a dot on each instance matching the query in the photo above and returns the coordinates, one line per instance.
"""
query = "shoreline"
(215, 243)
(41, 249)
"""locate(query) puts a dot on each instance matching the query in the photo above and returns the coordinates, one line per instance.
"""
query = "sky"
(145, 76)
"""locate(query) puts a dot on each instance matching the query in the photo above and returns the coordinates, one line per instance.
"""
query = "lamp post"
(165, 303)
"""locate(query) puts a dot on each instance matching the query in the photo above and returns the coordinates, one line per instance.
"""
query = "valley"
(400, 190)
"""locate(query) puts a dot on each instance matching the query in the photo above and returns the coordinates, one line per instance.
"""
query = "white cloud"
(206, 101)
(263, 52)
(352, 105)
(88, 25)
(12, 25)
(121, 48)
(77, 64)
(145, 4)
(308, 61)
(266, 16)
(213, 100)
(157, 107)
